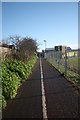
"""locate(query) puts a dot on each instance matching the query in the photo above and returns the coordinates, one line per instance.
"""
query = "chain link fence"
(67, 63)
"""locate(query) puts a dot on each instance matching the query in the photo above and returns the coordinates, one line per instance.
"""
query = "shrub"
(3, 102)
(13, 74)
(10, 83)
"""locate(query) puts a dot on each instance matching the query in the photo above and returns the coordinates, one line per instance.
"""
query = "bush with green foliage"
(10, 83)
(13, 74)
(3, 102)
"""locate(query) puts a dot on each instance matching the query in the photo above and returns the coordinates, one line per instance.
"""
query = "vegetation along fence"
(66, 62)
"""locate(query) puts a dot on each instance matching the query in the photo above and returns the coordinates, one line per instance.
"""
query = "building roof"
(49, 49)
(7, 46)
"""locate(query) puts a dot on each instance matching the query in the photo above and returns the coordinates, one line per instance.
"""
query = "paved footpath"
(62, 100)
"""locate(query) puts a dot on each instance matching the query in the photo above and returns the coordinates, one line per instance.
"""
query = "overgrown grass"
(70, 74)
(73, 60)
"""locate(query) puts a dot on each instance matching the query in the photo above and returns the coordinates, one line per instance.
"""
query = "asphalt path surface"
(62, 99)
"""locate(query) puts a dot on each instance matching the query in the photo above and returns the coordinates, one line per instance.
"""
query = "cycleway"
(61, 98)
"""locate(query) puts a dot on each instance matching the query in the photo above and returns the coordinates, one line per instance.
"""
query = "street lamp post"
(45, 48)
(45, 44)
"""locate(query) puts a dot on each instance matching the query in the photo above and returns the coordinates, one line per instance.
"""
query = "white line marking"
(44, 110)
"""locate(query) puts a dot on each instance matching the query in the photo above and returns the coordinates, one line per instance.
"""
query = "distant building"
(5, 50)
(49, 50)
(59, 52)
(68, 48)
(60, 48)
(72, 53)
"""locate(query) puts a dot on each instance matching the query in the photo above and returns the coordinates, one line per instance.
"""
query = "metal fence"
(66, 62)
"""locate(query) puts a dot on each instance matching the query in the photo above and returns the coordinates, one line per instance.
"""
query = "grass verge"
(71, 75)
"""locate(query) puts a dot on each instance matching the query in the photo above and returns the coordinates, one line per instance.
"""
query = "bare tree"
(15, 40)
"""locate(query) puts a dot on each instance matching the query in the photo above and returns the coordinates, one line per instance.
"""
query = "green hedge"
(4, 103)
(13, 74)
